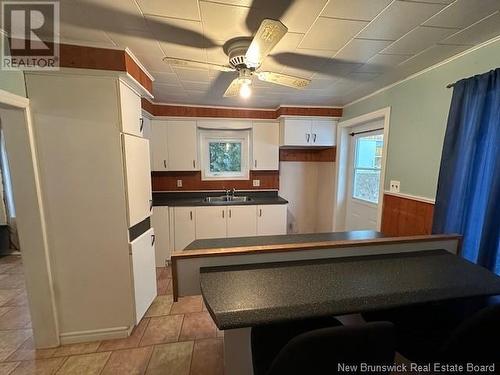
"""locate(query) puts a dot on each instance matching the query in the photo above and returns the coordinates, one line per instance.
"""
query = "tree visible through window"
(225, 157)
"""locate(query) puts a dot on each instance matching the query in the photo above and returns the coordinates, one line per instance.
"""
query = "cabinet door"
(323, 132)
(130, 110)
(265, 146)
(146, 133)
(159, 145)
(142, 254)
(184, 227)
(241, 221)
(161, 227)
(182, 150)
(138, 178)
(210, 222)
(271, 219)
(296, 132)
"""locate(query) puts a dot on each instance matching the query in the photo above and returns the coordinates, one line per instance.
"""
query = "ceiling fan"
(245, 57)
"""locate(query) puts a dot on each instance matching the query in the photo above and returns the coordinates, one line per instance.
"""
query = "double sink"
(227, 199)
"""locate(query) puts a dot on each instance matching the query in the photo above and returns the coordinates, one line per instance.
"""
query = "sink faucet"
(227, 193)
(233, 190)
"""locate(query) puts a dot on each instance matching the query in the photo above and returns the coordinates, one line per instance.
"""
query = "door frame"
(30, 217)
(342, 165)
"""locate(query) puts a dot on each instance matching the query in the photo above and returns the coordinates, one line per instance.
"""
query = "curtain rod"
(364, 131)
(449, 86)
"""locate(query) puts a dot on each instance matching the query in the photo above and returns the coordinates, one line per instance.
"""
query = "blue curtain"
(468, 195)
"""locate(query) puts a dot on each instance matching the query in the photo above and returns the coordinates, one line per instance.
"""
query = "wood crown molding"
(169, 110)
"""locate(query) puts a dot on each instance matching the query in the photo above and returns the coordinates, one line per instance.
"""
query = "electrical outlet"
(256, 183)
(179, 183)
(394, 186)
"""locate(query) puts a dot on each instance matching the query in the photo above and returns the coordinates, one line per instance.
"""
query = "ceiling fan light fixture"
(245, 89)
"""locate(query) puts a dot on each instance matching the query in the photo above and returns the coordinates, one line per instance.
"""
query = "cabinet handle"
(153, 239)
(141, 124)
(150, 204)
(194, 163)
(260, 212)
(223, 214)
(307, 137)
(191, 215)
(165, 164)
(314, 139)
(230, 213)
(255, 163)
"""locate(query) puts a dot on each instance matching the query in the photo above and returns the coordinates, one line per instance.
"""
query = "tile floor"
(172, 339)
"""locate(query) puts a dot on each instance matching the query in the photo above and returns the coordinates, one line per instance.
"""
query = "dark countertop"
(251, 295)
(187, 199)
(283, 239)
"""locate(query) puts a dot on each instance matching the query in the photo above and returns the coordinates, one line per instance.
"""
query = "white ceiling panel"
(355, 9)
(331, 33)
(195, 86)
(187, 74)
(431, 56)
(361, 50)
(481, 31)
(399, 18)
(186, 9)
(463, 13)
(154, 62)
(224, 22)
(139, 43)
(382, 63)
(418, 39)
(301, 15)
(166, 78)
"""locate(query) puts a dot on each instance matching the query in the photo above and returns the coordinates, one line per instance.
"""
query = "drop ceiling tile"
(138, 42)
(301, 15)
(186, 9)
(418, 39)
(354, 9)
(195, 86)
(481, 31)
(216, 54)
(223, 22)
(110, 15)
(361, 50)
(318, 83)
(398, 19)
(182, 52)
(331, 33)
(166, 78)
(154, 62)
(431, 56)
(463, 13)
(381, 63)
(288, 43)
(188, 74)
(302, 73)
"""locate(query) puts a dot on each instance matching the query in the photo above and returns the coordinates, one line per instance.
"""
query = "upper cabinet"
(182, 145)
(130, 111)
(265, 146)
(159, 145)
(304, 131)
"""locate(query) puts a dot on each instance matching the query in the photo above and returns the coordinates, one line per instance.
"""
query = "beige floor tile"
(10, 341)
(18, 317)
(86, 364)
(74, 349)
(160, 306)
(20, 299)
(130, 361)
(12, 281)
(39, 367)
(28, 352)
(8, 294)
(171, 359)
(162, 329)
(7, 267)
(7, 367)
(187, 305)
(164, 287)
(5, 309)
(197, 326)
(208, 357)
(127, 343)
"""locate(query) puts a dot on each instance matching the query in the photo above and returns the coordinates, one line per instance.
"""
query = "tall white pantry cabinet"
(94, 167)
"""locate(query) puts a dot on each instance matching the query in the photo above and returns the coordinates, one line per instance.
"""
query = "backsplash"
(167, 181)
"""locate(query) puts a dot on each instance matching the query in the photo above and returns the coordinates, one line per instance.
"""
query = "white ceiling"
(348, 48)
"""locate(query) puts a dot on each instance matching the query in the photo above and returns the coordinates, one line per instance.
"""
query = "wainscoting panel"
(405, 216)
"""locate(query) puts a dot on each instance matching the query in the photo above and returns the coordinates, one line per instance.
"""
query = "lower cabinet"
(142, 253)
(184, 227)
(159, 221)
(271, 219)
(210, 222)
(241, 221)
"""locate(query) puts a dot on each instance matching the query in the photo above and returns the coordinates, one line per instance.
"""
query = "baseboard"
(95, 335)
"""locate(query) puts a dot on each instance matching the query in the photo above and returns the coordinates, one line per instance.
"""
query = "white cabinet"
(142, 256)
(307, 131)
(182, 145)
(241, 221)
(210, 222)
(138, 178)
(265, 146)
(159, 145)
(160, 222)
(271, 219)
(130, 111)
(184, 227)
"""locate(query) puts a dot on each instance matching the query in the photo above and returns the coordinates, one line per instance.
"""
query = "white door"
(271, 219)
(144, 272)
(296, 132)
(241, 221)
(365, 165)
(210, 222)
(184, 227)
(130, 110)
(160, 224)
(323, 132)
(265, 146)
(159, 145)
(138, 178)
(182, 150)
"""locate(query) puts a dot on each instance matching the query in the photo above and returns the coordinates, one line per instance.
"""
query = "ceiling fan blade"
(283, 79)
(269, 34)
(233, 89)
(274, 9)
(196, 64)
